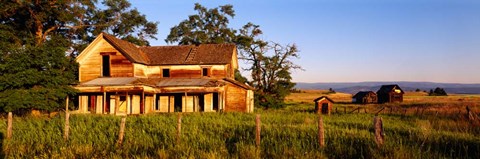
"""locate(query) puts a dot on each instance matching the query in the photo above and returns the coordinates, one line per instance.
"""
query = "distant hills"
(354, 87)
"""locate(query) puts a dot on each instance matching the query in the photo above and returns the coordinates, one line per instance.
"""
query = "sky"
(355, 40)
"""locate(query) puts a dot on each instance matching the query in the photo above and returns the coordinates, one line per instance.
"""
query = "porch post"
(185, 103)
(142, 103)
(129, 106)
(117, 102)
(104, 102)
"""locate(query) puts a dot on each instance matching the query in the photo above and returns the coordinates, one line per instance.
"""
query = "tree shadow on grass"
(2, 152)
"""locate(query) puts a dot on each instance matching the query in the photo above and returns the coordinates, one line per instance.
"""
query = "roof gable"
(323, 97)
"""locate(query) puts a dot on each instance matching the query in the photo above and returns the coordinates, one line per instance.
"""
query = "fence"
(377, 126)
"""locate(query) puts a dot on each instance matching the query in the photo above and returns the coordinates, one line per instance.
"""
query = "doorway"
(177, 103)
(324, 108)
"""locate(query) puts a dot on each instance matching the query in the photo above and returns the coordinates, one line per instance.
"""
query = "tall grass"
(285, 134)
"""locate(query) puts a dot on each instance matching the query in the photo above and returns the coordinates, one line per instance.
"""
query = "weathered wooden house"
(323, 105)
(118, 77)
(365, 97)
(390, 93)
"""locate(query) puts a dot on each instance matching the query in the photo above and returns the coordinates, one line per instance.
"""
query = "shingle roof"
(363, 94)
(131, 51)
(174, 55)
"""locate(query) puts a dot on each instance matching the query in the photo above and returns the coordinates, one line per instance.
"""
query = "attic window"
(166, 72)
(106, 66)
(205, 72)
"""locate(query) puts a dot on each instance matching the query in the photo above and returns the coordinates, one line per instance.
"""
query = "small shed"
(365, 97)
(390, 93)
(323, 104)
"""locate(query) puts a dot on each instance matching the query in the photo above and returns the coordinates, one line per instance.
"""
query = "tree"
(35, 77)
(438, 92)
(271, 63)
(78, 21)
(36, 35)
(208, 26)
(271, 74)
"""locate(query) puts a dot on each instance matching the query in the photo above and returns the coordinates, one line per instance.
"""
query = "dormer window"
(166, 72)
(205, 72)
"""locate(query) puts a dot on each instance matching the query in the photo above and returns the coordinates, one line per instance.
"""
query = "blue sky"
(356, 40)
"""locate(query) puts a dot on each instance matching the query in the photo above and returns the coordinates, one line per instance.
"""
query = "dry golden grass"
(307, 96)
(414, 102)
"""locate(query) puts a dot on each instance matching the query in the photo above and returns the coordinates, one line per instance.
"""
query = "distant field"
(412, 101)
(290, 132)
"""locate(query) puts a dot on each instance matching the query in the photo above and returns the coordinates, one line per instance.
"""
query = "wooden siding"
(250, 102)
(135, 105)
(91, 63)
(99, 104)
(319, 106)
(235, 99)
(163, 103)
(120, 66)
(140, 70)
(149, 104)
(183, 71)
(208, 102)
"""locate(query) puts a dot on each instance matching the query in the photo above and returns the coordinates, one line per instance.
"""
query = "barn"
(323, 105)
(365, 97)
(390, 93)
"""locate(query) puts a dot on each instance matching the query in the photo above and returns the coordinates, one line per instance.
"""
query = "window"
(166, 72)
(106, 66)
(205, 72)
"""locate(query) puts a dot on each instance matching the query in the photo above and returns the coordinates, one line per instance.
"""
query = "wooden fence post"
(344, 110)
(67, 126)
(378, 128)
(321, 132)
(470, 114)
(122, 130)
(257, 130)
(9, 125)
(365, 110)
(179, 128)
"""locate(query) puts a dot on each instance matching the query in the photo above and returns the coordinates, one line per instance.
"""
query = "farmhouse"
(389, 94)
(118, 77)
(323, 105)
(364, 97)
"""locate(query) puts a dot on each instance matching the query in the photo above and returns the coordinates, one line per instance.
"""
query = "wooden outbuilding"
(390, 93)
(365, 97)
(118, 77)
(323, 105)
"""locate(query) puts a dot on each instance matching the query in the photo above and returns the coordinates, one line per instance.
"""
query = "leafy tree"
(271, 63)
(208, 26)
(271, 74)
(35, 35)
(438, 92)
(78, 21)
(35, 77)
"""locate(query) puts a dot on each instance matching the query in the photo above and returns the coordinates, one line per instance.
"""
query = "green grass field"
(286, 133)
